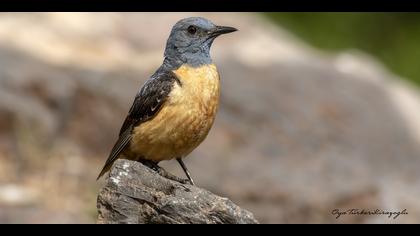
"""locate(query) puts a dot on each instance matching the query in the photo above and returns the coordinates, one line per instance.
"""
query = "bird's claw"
(162, 172)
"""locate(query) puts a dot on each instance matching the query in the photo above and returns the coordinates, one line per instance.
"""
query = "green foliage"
(394, 38)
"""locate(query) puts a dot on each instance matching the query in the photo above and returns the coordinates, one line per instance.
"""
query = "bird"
(174, 110)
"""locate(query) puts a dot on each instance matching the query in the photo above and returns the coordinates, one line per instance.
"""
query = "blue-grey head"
(190, 41)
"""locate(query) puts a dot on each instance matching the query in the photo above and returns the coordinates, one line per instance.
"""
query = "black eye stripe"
(192, 29)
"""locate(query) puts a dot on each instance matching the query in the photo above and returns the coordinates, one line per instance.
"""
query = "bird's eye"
(192, 29)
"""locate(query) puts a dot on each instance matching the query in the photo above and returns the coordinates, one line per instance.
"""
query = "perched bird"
(176, 107)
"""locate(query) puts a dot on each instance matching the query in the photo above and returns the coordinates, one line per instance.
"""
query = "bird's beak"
(219, 30)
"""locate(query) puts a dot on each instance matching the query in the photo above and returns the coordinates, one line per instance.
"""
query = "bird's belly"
(185, 119)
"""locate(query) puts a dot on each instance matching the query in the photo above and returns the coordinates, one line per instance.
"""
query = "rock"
(136, 194)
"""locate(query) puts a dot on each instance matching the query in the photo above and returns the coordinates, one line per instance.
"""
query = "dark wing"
(146, 105)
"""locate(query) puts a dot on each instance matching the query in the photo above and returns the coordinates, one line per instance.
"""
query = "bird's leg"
(187, 173)
(162, 172)
(151, 164)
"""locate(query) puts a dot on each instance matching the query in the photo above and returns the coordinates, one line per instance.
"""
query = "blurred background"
(319, 111)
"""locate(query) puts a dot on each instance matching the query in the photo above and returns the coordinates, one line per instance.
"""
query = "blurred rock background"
(300, 131)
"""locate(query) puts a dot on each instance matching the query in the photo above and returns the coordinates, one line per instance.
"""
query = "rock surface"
(136, 194)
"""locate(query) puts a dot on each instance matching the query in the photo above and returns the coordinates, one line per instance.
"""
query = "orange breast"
(185, 119)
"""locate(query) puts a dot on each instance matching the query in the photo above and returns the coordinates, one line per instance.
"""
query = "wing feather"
(146, 105)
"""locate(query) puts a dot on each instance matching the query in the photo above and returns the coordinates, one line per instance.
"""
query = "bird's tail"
(119, 146)
(103, 171)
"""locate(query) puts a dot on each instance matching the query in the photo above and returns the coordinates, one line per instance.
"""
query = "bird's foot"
(162, 172)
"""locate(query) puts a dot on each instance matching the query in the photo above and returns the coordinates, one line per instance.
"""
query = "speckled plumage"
(175, 109)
